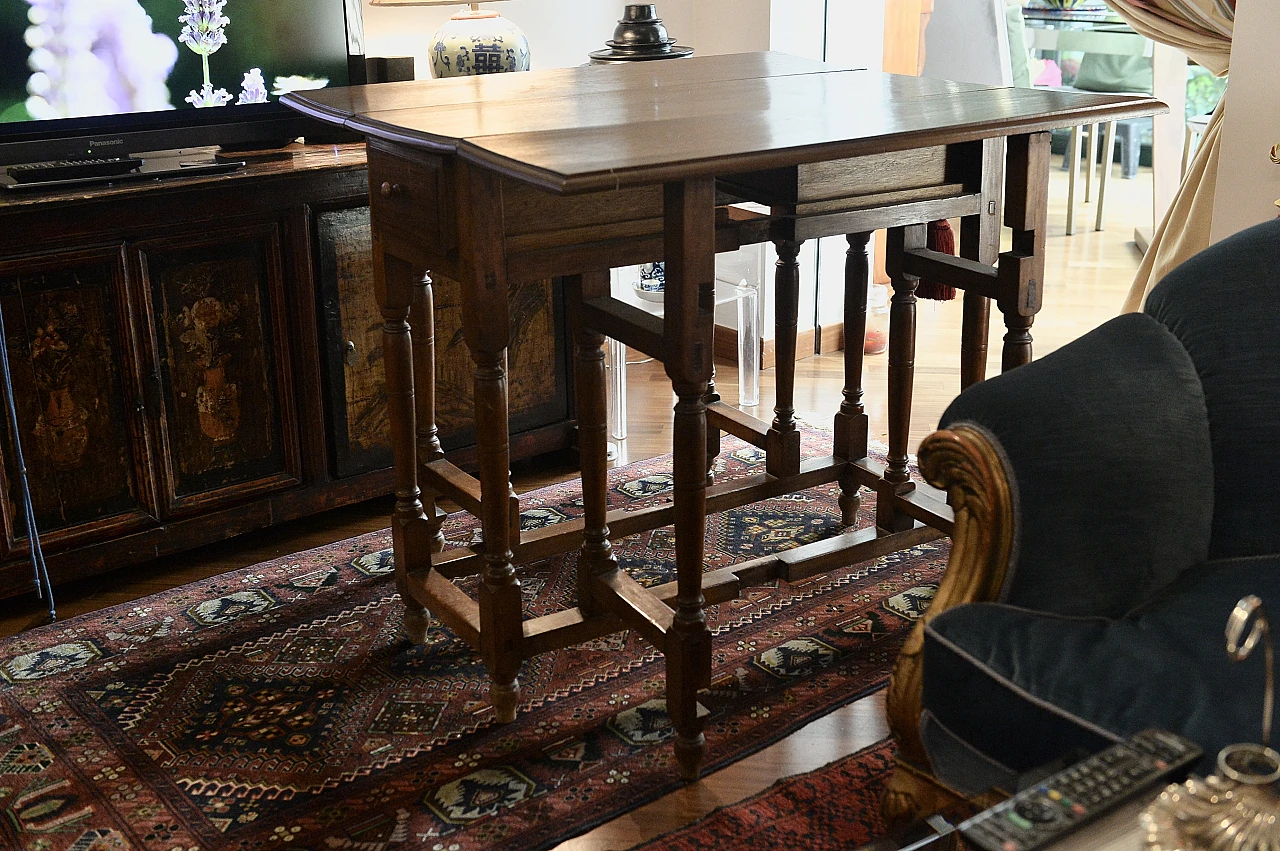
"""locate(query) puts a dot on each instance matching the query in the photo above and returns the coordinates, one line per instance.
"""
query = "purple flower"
(94, 57)
(202, 26)
(254, 88)
(207, 96)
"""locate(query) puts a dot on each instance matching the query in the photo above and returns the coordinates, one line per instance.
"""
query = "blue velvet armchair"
(1113, 500)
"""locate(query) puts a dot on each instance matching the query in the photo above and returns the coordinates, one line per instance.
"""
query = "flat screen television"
(105, 78)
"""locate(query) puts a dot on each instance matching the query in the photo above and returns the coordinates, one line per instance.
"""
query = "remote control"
(73, 169)
(1080, 793)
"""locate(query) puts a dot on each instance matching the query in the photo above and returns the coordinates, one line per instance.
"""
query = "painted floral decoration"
(54, 344)
(210, 325)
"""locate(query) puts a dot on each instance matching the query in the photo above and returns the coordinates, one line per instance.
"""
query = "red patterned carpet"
(832, 808)
(276, 707)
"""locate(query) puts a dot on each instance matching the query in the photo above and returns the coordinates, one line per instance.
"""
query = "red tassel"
(941, 238)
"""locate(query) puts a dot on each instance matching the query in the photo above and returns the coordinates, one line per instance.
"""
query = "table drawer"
(921, 171)
(409, 194)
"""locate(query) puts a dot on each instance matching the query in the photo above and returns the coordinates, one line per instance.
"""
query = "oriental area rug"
(832, 808)
(278, 707)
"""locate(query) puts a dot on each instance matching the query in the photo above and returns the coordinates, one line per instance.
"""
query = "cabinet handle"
(349, 353)
(388, 189)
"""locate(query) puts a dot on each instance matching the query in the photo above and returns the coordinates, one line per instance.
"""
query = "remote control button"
(1037, 810)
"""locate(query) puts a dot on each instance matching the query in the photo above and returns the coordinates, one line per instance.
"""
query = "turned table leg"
(688, 328)
(499, 592)
(850, 442)
(783, 440)
(713, 434)
(394, 283)
(902, 365)
(1021, 271)
(980, 241)
(595, 557)
(422, 320)
(487, 328)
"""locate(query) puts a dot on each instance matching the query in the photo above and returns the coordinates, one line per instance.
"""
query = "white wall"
(855, 37)
(1248, 182)
(561, 32)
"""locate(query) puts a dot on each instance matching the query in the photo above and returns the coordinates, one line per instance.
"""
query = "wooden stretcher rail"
(636, 606)
(452, 483)
(737, 423)
(538, 544)
(923, 506)
(638, 328)
(816, 225)
(451, 604)
(968, 275)
(650, 610)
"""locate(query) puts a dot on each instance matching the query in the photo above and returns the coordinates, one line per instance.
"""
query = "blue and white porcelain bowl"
(478, 42)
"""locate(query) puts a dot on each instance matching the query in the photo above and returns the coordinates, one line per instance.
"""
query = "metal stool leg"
(1107, 148)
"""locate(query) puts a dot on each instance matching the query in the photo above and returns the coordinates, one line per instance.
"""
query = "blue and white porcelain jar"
(478, 41)
(652, 281)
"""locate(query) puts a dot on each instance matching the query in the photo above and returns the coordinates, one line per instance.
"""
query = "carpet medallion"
(277, 707)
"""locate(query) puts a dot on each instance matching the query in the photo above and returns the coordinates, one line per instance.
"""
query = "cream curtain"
(1202, 30)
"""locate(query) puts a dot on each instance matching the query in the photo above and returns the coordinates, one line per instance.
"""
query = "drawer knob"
(349, 353)
(389, 190)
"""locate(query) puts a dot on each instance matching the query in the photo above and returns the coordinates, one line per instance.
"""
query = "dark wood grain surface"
(300, 159)
(603, 127)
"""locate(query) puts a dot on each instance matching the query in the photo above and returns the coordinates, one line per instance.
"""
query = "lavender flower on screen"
(202, 25)
(254, 88)
(95, 57)
(207, 96)
(202, 31)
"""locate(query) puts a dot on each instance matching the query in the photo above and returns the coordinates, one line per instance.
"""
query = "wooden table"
(500, 179)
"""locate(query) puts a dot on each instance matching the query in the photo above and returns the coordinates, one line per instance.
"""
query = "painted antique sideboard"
(199, 357)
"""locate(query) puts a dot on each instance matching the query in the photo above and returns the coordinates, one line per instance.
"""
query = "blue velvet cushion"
(1024, 687)
(1106, 443)
(1223, 305)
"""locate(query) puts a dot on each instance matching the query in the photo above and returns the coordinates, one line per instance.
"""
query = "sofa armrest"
(965, 463)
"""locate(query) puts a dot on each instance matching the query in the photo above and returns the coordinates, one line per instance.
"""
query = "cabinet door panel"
(537, 374)
(76, 394)
(228, 426)
(355, 389)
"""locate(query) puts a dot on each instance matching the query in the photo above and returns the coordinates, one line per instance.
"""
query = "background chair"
(1118, 61)
(1196, 125)
(1113, 501)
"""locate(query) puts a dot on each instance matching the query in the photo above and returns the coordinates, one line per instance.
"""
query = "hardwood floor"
(1087, 277)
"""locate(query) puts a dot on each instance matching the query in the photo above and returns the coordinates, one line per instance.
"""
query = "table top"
(609, 126)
